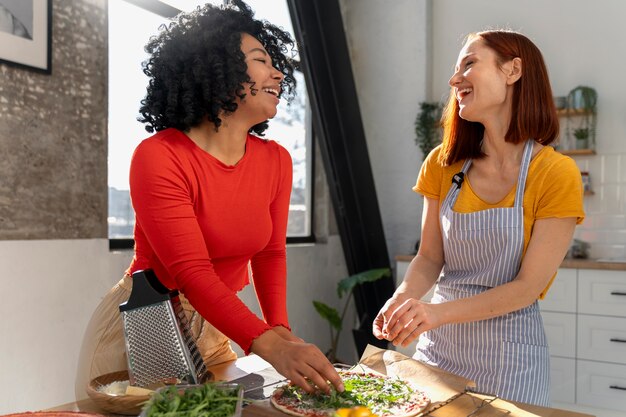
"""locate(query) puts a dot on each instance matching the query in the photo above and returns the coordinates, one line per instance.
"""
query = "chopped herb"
(376, 393)
(208, 400)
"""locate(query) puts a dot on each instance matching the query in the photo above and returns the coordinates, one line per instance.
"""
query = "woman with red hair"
(500, 208)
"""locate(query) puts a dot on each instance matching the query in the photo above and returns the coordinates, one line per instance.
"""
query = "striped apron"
(507, 355)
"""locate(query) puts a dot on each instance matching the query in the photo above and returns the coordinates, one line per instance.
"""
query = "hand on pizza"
(302, 363)
(382, 395)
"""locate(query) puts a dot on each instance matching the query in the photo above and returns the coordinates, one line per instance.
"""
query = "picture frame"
(26, 34)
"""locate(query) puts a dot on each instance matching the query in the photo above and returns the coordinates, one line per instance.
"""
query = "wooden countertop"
(463, 405)
(593, 264)
(567, 263)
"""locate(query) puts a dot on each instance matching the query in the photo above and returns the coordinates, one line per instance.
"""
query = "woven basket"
(119, 404)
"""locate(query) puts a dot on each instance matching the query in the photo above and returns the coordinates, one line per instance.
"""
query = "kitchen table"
(253, 372)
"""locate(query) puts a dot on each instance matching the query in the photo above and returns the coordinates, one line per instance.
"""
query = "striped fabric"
(507, 355)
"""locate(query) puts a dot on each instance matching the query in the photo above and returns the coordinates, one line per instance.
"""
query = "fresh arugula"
(208, 400)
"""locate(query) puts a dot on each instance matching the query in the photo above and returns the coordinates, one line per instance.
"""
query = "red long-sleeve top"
(200, 223)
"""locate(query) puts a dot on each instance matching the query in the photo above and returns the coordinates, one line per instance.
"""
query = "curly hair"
(197, 69)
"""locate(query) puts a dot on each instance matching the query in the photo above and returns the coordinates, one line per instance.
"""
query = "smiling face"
(263, 91)
(483, 86)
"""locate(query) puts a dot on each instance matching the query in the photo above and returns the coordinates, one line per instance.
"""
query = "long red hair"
(533, 112)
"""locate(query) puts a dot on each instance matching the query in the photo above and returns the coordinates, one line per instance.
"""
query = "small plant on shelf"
(582, 137)
(581, 106)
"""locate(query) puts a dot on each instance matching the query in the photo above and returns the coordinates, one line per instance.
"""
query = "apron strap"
(457, 181)
(523, 173)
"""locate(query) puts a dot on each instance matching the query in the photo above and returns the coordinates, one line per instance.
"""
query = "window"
(130, 26)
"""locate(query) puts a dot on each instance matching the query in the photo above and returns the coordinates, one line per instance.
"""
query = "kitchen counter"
(609, 265)
(594, 264)
(465, 404)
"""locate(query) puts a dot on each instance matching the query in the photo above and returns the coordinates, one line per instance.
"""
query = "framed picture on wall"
(25, 34)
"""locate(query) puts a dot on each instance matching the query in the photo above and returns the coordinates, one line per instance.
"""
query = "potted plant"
(332, 316)
(427, 136)
(582, 98)
(582, 137)
(427, 127)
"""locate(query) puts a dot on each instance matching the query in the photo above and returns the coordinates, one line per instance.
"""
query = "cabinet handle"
(618, 293)
(615, 339)
(617, 387)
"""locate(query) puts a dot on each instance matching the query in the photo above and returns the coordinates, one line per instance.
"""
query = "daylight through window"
(129, 29)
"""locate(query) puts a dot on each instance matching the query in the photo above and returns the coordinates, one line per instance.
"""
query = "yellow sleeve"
(430, 177)
(562, 194)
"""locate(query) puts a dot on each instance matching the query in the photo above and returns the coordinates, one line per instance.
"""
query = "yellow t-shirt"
(553, 189)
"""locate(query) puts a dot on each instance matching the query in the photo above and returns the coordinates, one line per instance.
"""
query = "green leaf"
(329, 314)
(208, 400)
(347, 284)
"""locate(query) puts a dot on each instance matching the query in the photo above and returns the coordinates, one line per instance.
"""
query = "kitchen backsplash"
(604, 227)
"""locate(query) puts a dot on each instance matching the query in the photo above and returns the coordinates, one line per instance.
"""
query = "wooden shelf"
(572, 112)
(577, 151)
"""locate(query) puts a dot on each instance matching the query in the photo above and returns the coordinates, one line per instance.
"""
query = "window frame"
(165, 10)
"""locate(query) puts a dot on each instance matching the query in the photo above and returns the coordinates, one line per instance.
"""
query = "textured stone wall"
(53, 129)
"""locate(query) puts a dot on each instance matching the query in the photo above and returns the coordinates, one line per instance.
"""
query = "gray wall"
(53, 133)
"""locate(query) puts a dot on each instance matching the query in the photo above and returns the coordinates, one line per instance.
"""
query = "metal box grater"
(159, 344)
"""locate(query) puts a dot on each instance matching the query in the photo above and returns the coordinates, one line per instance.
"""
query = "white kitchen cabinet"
(584, 315)
(602, 338)
(602, 292)
(601, 385)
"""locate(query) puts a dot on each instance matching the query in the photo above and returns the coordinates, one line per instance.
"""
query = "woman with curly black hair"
(211, 199)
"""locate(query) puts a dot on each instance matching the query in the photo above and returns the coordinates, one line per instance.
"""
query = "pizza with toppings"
(383, 395)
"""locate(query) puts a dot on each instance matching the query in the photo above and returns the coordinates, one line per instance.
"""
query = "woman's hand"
(297, 361)
(401, 321)
(380, 325)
